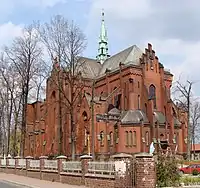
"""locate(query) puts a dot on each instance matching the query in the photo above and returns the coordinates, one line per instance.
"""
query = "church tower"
(103, 42)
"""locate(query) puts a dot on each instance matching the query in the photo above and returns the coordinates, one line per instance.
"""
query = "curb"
(19, 184)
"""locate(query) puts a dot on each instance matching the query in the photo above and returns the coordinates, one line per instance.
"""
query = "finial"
(102, 13)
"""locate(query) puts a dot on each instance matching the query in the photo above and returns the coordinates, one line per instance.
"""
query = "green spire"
(103, 42)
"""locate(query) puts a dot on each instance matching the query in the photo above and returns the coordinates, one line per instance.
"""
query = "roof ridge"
(130, 47)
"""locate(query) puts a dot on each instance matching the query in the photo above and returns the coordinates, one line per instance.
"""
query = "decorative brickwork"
(145, 171)
(123, 171)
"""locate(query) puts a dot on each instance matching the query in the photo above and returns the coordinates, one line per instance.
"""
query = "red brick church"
(131, 108)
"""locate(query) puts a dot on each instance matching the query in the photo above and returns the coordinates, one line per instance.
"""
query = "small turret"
(103, 42)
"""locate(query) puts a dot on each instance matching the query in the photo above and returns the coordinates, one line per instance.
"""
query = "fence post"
(42, 161)
(145, 170)
(28, 158)
(123, 170)
(60, 160)
(1, 158)
(85, 159)
(17, 161)
(7, 161)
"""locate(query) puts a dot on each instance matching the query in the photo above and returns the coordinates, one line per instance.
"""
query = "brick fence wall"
(122, 171)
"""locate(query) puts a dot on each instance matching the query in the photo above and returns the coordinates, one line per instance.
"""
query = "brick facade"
(136, 98)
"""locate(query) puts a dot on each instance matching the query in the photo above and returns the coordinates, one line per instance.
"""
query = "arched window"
(85, 138)
(147, 138)
(84, 115)
(175, 138)
(130, 138)
(101, 138)
(134, 138)
(138, 101)
(53, 95)
(156, 67)
(125, 103)
(152, 94)
(111, 138)
(126, 136)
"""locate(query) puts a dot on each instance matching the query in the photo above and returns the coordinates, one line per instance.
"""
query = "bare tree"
(2, 121)
(25, 53)
(184, 99)
(195, 117)
(8, 82)
(65, 41)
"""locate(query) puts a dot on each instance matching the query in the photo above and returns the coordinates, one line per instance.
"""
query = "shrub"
(189, 180)
(195, 172)
(167, 171)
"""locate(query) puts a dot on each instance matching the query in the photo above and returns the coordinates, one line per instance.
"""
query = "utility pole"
(188, 119)
(92, 112)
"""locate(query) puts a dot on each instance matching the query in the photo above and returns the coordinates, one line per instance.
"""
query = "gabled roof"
(89, 67)
(130, 55)
(114, 112)
(133, 117)
(160, 117)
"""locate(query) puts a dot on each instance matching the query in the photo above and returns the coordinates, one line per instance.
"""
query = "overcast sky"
(172, 26)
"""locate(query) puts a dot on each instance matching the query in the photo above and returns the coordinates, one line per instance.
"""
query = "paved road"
(7, 185)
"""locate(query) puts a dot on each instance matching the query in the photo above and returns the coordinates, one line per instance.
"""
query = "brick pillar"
(17, 161)
(1, 157)
(123, 170)
(85, 159)
(7, 160)
(28, 158)
(42, 161)
(60, 161)
(145, 171)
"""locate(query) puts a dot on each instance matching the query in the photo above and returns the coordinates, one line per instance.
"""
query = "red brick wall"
(50, 176)
(72, 179)
(33, 174)
(93, 182)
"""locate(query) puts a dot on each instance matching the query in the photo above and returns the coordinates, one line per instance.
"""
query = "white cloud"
(8, 31)
(42, 3)
(125, 9)
(8, 6)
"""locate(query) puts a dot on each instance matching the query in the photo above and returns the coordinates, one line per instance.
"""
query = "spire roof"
(103, 42)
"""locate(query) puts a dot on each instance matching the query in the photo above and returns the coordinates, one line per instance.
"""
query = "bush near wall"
(167, 171)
